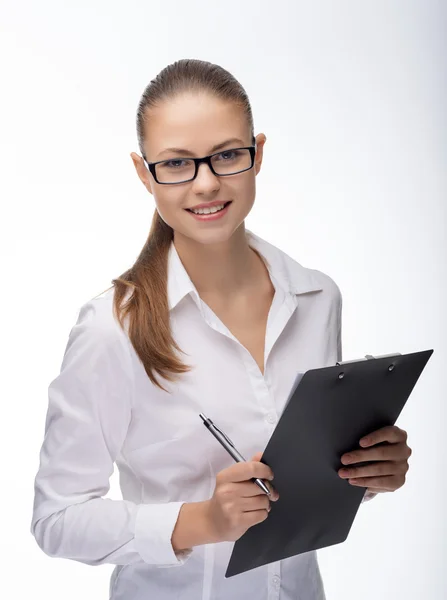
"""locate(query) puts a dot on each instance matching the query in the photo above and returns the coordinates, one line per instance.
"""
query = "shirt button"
(271, 418)
(275, 580)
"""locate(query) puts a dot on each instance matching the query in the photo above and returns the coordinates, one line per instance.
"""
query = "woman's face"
(198, 122)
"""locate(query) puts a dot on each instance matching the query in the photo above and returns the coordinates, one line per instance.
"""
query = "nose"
(205, 181)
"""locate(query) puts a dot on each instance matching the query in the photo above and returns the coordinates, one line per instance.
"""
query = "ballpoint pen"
(229, 447)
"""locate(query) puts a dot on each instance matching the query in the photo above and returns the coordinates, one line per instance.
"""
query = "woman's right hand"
(237, 502)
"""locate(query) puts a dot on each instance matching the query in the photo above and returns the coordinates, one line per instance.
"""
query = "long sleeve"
(368, 495)
(89, 411)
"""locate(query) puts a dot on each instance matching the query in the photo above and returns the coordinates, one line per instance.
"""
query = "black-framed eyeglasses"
(223, 163)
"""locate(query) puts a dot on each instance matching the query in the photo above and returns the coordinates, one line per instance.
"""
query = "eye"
(227, 155)
(169, 164)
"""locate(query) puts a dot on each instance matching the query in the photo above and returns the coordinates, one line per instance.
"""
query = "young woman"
(211, 318)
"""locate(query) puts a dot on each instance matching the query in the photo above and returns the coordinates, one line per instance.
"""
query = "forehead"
(196, 122)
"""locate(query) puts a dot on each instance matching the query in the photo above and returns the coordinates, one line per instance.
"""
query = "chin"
(208, 236)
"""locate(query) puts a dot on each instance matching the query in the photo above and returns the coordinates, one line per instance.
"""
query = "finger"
(273, 491)
(391, 434)
(249, 489)
(251, 504)
(386, 452)
(378, 469)
(244, 471)
(385, 483)
(257, 456)
(265, 479)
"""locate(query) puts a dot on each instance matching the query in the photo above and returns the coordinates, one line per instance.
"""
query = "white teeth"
(207, 211)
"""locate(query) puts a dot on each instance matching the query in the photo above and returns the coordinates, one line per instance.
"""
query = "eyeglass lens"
(228, 162)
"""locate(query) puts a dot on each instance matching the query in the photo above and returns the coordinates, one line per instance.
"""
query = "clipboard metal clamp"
(367, 357)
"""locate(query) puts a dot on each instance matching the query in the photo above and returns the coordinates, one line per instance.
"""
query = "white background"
(352, 98)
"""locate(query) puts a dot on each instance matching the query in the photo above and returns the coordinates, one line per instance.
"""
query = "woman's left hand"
(387, 472)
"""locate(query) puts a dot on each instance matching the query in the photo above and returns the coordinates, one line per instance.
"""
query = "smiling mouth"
(225, 204)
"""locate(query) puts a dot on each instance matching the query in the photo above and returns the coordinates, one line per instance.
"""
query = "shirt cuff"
(154, 525)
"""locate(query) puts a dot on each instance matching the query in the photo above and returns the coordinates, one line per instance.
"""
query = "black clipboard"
(327, 414)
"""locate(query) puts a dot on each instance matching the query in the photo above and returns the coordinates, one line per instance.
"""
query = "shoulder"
(97, 354)
(96, 316)
(325, 281)
(301, 279)
(321, 281)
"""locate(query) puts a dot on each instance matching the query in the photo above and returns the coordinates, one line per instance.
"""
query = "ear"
(260, 141)
(142, 171)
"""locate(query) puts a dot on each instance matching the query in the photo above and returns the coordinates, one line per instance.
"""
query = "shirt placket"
(281, 310)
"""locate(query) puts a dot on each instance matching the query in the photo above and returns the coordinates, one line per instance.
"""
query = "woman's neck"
(227, 269)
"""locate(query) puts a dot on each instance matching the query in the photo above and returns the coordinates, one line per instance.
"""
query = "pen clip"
(225, 436)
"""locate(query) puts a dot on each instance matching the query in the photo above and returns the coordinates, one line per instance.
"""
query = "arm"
(89, 410)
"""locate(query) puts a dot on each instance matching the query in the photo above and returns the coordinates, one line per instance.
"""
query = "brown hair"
(147, 308)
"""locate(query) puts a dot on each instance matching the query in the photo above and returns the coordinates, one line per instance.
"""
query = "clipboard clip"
(367, 357)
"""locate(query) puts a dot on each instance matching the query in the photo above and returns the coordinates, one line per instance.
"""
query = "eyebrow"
(213, 149)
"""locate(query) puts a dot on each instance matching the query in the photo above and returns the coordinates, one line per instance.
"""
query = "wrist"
(194, 526)
(208, 523)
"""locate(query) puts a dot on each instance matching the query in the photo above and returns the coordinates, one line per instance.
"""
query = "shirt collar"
(292, 277)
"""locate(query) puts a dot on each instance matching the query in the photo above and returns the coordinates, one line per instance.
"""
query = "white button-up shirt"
(103, 409)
